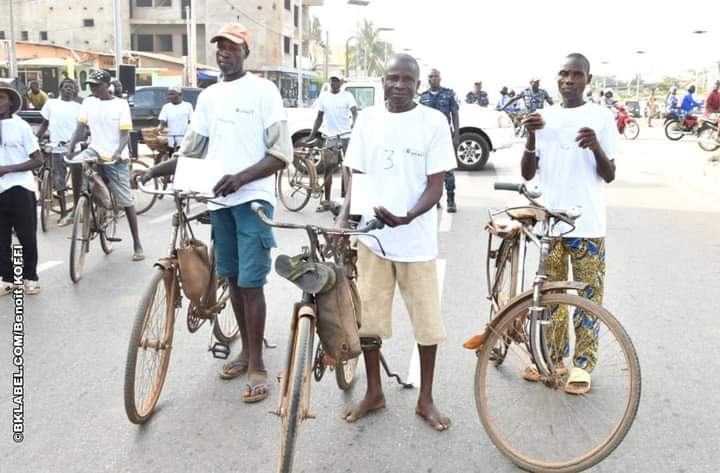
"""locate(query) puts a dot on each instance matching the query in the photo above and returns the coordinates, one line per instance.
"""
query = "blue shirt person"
(534, 97)
(477, 95)
(688, 102)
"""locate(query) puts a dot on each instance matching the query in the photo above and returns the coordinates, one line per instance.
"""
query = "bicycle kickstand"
(393, 375)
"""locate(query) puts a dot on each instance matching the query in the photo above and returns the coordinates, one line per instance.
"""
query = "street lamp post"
(604, 63)
(385, 52)
(300, 103)
(637, 88)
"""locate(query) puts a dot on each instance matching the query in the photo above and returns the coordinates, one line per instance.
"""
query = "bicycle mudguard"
(476, 341)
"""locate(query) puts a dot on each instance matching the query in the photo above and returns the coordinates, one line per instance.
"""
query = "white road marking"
(163, 217)
(47, 265)
(446, 220)
(413, 376)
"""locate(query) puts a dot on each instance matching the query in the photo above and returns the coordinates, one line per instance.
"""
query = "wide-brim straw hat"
(15, 97)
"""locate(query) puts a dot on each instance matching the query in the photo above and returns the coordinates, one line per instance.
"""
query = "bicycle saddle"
(310, 277)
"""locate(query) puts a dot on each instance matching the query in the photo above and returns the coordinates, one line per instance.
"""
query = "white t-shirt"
(17, 143)
(568, 174)
(63, 117)
(177, 118)
(234, 116)
(106, 118)
(405, 147)
(337, 118)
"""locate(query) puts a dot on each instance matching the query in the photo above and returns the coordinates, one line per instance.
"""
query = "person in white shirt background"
(19, 155)
(108, 120)
(60, 116)
(572, 147)
(337, 112)
(242, 124)
(175, 116)
(407, 149)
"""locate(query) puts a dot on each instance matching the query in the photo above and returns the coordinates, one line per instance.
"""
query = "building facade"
(160, 26)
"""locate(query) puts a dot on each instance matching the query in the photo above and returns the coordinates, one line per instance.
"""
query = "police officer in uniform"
(444, 100)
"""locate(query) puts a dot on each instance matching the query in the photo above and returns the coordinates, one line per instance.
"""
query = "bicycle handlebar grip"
(375, 224)
(508, 186)
(257, 207)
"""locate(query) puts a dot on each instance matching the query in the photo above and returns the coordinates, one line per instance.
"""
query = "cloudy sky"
(507, 42)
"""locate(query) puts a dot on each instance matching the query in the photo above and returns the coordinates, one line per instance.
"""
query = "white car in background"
(482, 130)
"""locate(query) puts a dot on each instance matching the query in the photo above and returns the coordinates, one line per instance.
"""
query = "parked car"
(633, 108)
(146, 103)
(482, 130)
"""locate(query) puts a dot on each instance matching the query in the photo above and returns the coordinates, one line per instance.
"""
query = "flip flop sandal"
(234, 369)
(257, 381)
(578, 382)
(531, 373)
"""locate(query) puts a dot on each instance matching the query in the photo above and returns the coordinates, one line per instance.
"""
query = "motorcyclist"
(672, 102)
(688, 102)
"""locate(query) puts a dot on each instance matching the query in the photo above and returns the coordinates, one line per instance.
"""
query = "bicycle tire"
(596, 453)
(139, 414)
(297, 179)
(225, 326)
(107, 222)
(45, 200)
(345, 373)
(301, 364)
(80, 239)
(143, 201)
(707, 139)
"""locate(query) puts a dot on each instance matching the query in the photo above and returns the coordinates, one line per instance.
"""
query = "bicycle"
(95, 215)
(537, 425)
(294, 402)
(151, 338)
(48, 200)
(299, 181)
(158, 144)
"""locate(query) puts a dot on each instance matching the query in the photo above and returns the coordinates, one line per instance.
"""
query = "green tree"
(370, 53)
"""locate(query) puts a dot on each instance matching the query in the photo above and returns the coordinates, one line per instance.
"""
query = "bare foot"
(362, 408)
(432, 415)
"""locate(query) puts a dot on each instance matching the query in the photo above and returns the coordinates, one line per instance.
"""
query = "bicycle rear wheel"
(300, 366)
(46, 199)
(143, 201)
(345, 373)
(80, 240)
(295, 182)
(150, 347)
(538, 425)
(107, 220)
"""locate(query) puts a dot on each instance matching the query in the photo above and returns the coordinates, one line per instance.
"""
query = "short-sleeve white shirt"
(406, 147)
(234, 116)
(62, 116)
(106, 119)
(177, 118)
(567, 173)
(17, 143)
(337, 115)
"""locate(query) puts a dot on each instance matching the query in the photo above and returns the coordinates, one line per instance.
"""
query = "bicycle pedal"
(220, 350)
(113, 239)
(309, 416)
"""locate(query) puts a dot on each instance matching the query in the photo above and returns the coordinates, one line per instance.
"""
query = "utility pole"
(300, 103)
(327, 54)
(186, 82)
(117, 24)
(12, 52)
(193, 43)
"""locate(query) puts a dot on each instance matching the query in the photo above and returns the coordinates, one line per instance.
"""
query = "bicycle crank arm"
(220, 350)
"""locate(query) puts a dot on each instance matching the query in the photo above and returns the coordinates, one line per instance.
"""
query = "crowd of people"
(241, 123)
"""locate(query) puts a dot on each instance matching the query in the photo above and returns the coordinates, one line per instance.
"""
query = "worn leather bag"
(100, 192)
(338, 314)
(195, 269)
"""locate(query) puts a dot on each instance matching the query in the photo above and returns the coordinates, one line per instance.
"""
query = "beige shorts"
(377, 279)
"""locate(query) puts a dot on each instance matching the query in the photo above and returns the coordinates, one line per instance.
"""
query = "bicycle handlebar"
(566, 216)
(532, 193)
(198, 196)
(375, 224)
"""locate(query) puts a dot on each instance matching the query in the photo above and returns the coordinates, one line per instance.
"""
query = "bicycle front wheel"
(295, 183)
(150, 346)
(143, 201)
(631, 131)
(294, 400)
(345, 373)
(80, 240)
(46, 200)
(539, 426)
(225, 328)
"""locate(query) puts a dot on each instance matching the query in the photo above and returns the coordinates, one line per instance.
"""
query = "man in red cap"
(241, 123)
(19, 154)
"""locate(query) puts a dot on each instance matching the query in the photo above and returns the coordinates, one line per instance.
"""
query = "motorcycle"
(626, 124)
(680, 123)
(708, 135)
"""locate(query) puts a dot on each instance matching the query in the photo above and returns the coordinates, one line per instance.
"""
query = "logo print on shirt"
(413, 153)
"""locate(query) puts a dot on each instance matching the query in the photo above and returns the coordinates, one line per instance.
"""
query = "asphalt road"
(662, 280)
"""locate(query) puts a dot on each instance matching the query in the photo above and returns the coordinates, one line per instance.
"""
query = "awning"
(43, 62)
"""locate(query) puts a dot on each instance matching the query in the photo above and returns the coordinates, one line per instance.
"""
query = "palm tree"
(370, 54)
